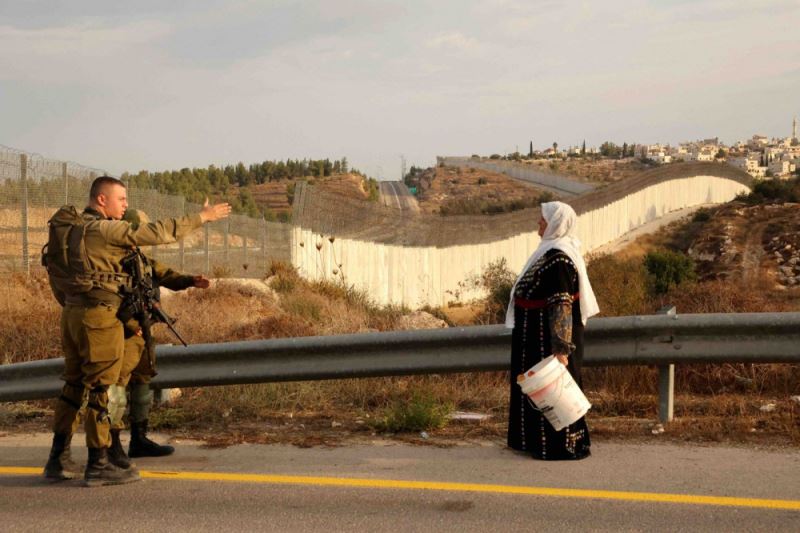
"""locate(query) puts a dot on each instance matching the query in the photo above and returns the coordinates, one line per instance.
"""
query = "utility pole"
(402, 167)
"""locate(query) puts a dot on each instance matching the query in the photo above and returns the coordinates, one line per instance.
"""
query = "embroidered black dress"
(547, 320)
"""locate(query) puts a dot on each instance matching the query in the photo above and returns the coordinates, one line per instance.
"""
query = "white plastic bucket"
(552, 390)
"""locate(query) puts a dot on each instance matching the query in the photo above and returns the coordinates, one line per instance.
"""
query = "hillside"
(274, 198)
(469, 191)
(754, 248)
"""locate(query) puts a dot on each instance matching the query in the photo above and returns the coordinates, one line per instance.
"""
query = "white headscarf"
(560, 234)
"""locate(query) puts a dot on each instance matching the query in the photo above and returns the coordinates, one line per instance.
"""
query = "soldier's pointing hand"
(210, 213)
(201, 282)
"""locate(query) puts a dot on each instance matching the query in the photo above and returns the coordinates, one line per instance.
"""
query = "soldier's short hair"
(101, 183)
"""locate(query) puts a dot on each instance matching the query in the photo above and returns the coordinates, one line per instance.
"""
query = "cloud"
(453, 40)
(89, 52)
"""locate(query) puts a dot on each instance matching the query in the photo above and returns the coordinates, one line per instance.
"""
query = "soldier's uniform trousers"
(136, 369)
(93, 343)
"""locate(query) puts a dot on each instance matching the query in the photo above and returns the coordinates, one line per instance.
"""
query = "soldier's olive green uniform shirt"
(109, 241)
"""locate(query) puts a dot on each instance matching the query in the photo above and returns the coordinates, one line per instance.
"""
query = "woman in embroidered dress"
(550, 303)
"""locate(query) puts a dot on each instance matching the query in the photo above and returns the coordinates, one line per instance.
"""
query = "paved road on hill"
(393, 487)
(395, 194)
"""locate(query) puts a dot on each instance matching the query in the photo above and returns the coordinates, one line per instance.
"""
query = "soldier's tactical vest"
(64, 256)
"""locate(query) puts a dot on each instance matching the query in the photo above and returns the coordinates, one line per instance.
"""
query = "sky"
(154, 85)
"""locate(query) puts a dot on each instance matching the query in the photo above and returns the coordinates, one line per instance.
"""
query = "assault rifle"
(142, 299)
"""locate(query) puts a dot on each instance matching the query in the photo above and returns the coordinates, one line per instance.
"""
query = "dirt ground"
(590, 170)
(439, 185)
(344, 428)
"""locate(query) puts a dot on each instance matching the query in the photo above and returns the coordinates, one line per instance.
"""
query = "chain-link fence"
(33, 187)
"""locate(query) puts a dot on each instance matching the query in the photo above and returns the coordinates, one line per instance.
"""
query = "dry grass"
(715, 402)
(29, 320)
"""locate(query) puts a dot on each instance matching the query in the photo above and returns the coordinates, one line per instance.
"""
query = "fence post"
(666, 381)
(207, 243)
(181, 246)
(23, 174)
(264, 244)
(66, 183)
(225, 239)
(244, 243)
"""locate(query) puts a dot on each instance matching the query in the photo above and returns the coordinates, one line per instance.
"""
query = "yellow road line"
(691, 499)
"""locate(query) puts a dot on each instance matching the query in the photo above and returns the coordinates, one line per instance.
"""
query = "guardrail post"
(666, 382)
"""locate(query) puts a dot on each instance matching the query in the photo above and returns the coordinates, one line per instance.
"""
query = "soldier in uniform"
(92, 336)
(138, 367)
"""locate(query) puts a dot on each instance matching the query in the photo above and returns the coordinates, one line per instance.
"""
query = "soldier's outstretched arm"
(169, 278)
(122, 233)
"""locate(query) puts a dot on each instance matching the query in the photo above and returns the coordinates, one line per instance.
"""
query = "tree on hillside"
(609, 149)
(583, 148)
(624, 149)
(530, 151)
(555, 148)
(197, 183)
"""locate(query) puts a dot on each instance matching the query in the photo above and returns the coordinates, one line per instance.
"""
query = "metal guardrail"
(660, 340)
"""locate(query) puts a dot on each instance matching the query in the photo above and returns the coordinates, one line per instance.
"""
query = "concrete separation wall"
(421, 260)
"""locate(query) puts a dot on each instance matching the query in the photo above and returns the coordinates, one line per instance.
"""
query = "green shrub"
(668, 269)
(773, 190)
(421, 412)
(495, 281)
(702, 215)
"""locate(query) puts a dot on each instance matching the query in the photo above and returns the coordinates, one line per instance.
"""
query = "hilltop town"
(760, 156)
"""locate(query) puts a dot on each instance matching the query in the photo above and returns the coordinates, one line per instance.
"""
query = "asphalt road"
(385, 486)
(395, 194)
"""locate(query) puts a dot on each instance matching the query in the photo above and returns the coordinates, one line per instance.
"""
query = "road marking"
(690, 499)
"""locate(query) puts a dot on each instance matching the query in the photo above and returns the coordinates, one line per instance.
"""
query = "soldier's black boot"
(60, 465)
(116, 453)
(99, 471)
(141, 446)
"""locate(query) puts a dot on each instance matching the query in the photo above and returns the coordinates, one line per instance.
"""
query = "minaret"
(794, 128)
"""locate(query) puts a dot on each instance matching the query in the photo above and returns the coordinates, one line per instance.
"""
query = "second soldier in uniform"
(138, 366)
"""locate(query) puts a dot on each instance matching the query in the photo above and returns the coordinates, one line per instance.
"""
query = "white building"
(781, 168)
(704, 155)
(660, 157)
(749, 165)
(758, 142)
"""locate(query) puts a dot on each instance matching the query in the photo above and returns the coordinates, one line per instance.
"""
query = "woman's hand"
(563, 358)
